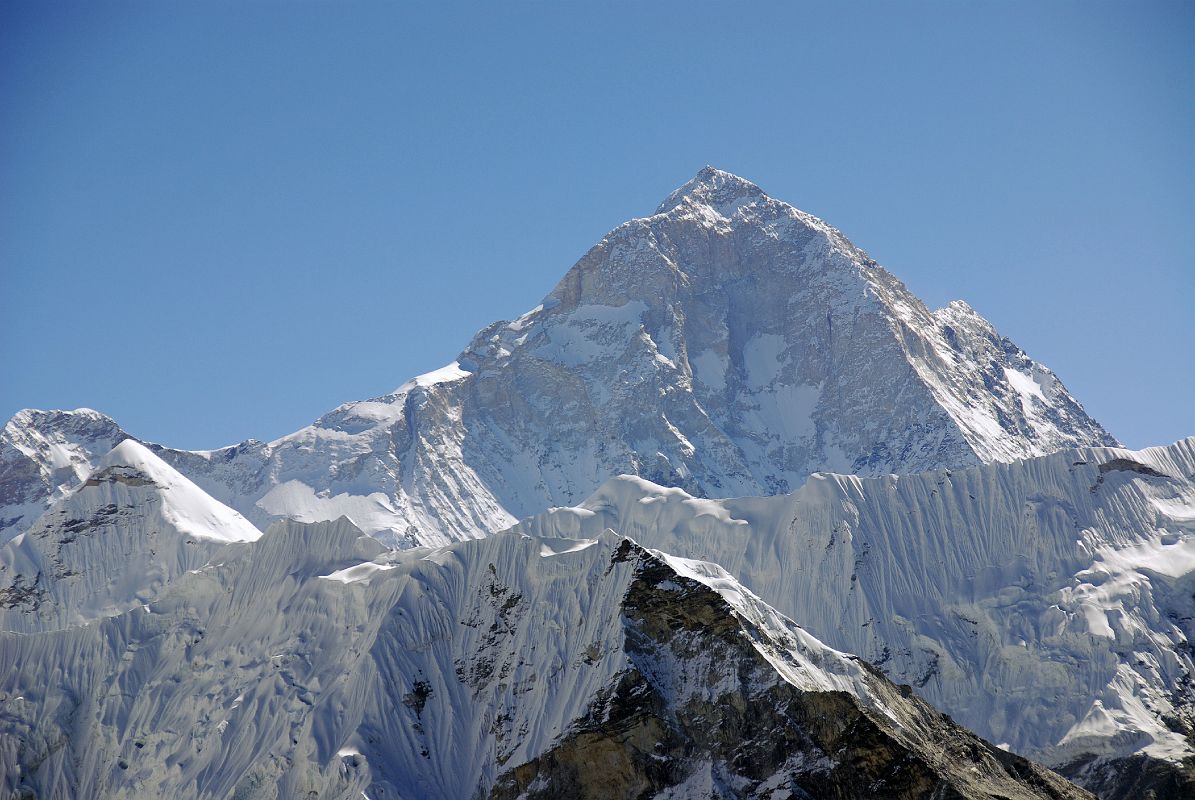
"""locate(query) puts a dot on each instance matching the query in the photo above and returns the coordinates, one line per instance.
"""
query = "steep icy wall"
(728, 344)
(493, 667)
(1046, 604)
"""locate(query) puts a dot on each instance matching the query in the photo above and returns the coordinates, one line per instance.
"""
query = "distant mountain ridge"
(729, 344)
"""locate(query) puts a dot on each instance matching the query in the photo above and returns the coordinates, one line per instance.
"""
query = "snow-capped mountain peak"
(730, 345)
(43, 456)
(727, 346)
(187, 507)
(134, 525)
(721, 191)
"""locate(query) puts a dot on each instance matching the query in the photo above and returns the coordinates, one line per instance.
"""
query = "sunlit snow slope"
(313, 663)
(134, 525)
(1046, 604)
(728, 344)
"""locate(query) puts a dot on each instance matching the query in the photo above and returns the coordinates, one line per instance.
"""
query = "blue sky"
(220, 220)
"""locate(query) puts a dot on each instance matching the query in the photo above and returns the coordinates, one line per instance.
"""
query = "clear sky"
(220, 220)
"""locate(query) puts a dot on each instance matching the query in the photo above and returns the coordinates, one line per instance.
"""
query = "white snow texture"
(906, 484)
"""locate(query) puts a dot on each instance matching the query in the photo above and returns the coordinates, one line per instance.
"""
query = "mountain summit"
(133, 526)
(715, 188)
(729, 344)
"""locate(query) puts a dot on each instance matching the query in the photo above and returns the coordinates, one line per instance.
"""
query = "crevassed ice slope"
(1046, 604)
(506, 667)
(728, 344)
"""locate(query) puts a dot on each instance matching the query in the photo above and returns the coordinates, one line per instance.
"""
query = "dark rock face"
(1125, 465)
(1135, 778)
(1128, 465)
(705, 713)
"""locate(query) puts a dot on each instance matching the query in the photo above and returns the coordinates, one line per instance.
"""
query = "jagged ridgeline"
(1046, 604)
(339, 612)
(313, 662)
(729, 345)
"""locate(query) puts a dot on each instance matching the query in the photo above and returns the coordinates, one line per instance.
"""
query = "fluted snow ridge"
(1045, 603)
(315, 661)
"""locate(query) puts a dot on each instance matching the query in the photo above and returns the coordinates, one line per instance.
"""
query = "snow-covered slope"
(1046, 604)
(506, 667)
(728, 344)
(43, 456)
(134, 525)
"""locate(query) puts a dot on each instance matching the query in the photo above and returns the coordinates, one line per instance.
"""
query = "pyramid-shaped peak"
(186, 506)
(133, 455)
(723, 191)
